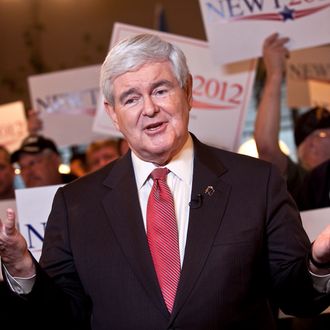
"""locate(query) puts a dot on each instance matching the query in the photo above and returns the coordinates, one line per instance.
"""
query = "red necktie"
(162, 232)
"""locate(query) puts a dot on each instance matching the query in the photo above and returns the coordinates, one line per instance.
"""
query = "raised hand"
(321, 252)
(34, 122)
(275, 54)
(13, 248)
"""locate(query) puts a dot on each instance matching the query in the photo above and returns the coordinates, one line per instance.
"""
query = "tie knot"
(159, 173)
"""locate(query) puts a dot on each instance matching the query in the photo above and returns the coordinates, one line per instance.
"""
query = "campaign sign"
(319, 93)
(220, 93)
(13, 125)
(67, 103)
(33, 207)
(236, 29)
(314, 221)
(303, 66)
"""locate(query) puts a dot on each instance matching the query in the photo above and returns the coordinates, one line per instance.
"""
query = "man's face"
(315, 149)
(101, 157)
(152, 111)
(40, 169)
(7, 175)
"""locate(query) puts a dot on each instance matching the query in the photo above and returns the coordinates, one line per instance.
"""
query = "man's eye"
(161, 92)
(131, 100)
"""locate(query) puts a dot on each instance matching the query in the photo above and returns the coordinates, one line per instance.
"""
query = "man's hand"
(321, 252)
(13, 249)
(34, 122)
(275, 54)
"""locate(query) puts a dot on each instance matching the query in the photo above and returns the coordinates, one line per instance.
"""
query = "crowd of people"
(38, 160)
(238, 251)
(307, 180)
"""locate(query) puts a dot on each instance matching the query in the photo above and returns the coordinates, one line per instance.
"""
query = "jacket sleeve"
(287, 248)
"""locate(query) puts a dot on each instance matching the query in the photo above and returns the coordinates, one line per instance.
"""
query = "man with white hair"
(173, 235)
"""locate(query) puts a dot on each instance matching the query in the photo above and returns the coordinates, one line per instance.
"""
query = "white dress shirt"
(179, 180)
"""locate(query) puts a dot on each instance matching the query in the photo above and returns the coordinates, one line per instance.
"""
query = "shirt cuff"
(19, 285)
(321, 283)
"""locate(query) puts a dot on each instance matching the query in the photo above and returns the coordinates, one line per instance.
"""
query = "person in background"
(100, 153)
(311, 128)
(39, 160)
(7, 171)
(312, 137)
(123, 146)
(7, 175)
(176, 234)
(78, 164)
(315, 190)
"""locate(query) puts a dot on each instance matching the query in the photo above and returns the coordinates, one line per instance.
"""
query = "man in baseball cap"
(33, 144)
(312, 137)
(39, 160)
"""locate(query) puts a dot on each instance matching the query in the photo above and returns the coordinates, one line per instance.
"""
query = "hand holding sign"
(275, 54)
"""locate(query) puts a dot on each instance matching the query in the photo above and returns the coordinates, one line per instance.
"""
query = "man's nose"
(149, 106)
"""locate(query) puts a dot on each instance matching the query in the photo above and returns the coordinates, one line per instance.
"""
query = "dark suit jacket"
(245, 245)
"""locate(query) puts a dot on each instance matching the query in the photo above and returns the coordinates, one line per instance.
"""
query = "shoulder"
(236, 169)
(91, 184)
(229, 159)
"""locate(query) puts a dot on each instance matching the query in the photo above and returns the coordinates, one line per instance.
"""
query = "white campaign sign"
(314, 221)
(220, 93)
(67, 102)
(33, 207)
(13, 125)
(305, 65)
(236, 29)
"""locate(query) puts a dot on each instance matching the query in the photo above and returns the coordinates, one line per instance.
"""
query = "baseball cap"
(33, 144)
(307, 123)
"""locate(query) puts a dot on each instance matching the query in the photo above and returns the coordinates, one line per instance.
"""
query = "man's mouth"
(154, 126)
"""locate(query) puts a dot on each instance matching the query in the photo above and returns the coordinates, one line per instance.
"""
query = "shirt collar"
(181, 165)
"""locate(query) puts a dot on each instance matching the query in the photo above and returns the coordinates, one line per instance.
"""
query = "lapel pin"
(209, 190)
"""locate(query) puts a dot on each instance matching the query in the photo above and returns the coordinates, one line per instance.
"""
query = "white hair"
(133, 52)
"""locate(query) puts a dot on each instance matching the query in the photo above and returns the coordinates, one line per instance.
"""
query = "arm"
(294, 289)
(60, 302)
(267, 124)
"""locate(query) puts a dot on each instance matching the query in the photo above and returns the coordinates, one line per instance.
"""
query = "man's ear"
(188, 90)
(112, 113)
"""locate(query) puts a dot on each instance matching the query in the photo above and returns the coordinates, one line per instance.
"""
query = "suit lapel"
(123, 211)
(204, 220)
